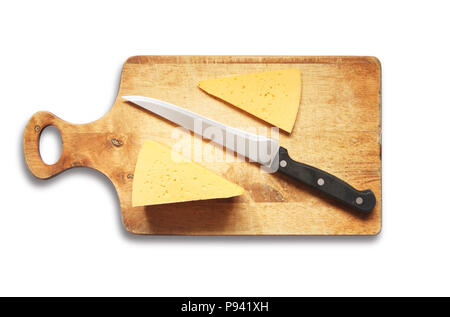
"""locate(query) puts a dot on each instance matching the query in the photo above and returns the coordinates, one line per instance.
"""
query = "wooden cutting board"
(337, 129)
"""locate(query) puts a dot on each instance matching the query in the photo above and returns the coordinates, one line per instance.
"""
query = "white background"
(64, 236)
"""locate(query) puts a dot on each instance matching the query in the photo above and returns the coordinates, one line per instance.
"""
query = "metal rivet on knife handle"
(283, 163)
(359, 200)
(320, 182)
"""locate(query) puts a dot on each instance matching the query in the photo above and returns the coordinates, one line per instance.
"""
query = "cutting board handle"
(33, 130)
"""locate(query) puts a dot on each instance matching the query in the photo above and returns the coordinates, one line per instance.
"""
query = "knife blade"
(257, 148)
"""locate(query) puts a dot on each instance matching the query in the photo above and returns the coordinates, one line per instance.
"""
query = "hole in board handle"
(50, 145)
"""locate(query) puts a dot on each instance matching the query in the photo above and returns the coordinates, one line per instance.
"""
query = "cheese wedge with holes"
(271, 96)
(163, 176)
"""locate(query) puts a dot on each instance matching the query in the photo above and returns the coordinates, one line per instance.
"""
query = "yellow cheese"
(162, 176)
(272, 96)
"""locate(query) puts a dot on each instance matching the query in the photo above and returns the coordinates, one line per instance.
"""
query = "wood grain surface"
(337, 129)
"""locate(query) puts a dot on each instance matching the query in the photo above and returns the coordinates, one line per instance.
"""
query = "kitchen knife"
(258, 148)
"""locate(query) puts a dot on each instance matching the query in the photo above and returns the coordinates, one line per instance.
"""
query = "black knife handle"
(363, 201)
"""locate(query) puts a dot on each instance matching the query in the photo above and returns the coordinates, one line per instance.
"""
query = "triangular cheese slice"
(272, 96)
(163, 176)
